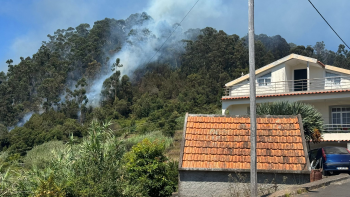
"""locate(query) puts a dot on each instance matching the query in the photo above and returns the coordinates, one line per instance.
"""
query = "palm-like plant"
(311, 118)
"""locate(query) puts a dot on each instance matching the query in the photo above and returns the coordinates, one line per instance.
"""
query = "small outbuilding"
(215, 153)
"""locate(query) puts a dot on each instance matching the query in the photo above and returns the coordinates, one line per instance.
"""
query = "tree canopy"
(187, 76)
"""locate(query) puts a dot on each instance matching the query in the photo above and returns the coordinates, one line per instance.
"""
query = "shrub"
(40, 156)
(311, 118)
(152, 136)
(147, 172)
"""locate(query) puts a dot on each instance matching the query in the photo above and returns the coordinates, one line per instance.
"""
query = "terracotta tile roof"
(286, 94)
(223, 142)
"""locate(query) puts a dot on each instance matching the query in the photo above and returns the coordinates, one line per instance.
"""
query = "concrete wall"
(316, 73)
(323, 108)
(277, 75)
(284, 74)
(221, 183)
(324, 105)
(238, 109)
(344, 83)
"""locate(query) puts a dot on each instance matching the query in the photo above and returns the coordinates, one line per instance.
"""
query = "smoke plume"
(157, 36)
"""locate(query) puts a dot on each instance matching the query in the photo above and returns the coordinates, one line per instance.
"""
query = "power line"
(329, 24)
(171, 33)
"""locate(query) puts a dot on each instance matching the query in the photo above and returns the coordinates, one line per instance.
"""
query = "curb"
(310, 186)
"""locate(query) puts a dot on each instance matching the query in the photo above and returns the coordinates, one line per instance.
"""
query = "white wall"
(277, 75)
(238, 109)
(344, 83)
(322, 102)
(324, 105)
(323, 108)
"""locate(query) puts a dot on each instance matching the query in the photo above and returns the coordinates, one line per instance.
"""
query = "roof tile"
(224, 142)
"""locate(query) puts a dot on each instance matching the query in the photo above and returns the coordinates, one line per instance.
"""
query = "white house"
(304, 79)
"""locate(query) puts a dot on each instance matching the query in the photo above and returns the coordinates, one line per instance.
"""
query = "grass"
(133, 139)
(41, 155)
(173, 152)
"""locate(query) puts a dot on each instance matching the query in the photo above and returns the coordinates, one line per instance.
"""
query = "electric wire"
(329, 24)
(172, 33)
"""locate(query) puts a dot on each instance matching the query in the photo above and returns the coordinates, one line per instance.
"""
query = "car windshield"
(335, 150)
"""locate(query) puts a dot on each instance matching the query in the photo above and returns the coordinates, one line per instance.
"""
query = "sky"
(26, 23)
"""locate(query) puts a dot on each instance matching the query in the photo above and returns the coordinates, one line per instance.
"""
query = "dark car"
(332, 160)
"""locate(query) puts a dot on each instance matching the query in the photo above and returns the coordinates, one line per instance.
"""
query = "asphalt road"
(341, 189)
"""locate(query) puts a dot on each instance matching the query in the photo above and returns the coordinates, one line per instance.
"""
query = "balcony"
(337, 128)
(292, 86)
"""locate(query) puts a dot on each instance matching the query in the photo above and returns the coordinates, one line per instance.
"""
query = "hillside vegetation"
(53, 89)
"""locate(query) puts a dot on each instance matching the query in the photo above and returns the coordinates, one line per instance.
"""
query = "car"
(331, 159)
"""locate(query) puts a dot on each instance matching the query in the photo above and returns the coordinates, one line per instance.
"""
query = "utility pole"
(253, 172)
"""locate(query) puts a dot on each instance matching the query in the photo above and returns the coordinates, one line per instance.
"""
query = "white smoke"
(94, 94)
(148, 36)
(173, 11)
(25, 118)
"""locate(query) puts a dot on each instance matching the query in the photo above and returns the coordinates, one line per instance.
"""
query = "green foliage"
(149, 103)
(91, 168)
(48, 188)
(3, 137)
(311, 118)
(41, 156)
(152, 136)
(147, 170)
(50, 125)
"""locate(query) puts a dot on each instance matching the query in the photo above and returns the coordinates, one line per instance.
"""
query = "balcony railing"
(337, 128)
(280, 87)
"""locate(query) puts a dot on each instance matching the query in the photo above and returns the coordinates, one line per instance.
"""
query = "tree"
(311, 118)
(301, 50)
(79, 96)
(3, 137)
(47, 91)
(115, 79)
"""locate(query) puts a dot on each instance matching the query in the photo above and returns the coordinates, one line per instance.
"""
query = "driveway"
(340, 189)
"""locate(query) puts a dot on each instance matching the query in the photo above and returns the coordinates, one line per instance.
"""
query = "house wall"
(324, 105)
(284, 74)
(238, 109)
(277, 74)
(316, 75)
(344, 83)
(323, 108)
(225, 183)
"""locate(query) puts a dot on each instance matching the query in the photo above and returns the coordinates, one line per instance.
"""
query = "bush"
(152, 136)
(311, 118)
(147, 172)
(41, 156)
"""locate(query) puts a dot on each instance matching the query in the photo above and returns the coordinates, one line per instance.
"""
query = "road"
(341, 189)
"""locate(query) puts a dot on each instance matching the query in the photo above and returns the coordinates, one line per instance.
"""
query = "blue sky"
(25, 23)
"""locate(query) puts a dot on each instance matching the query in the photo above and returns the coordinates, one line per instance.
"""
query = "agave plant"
(311, 118)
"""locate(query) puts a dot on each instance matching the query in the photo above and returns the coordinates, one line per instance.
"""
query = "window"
(335, 150)
(340, 115)
(332, 79)
(264, 80)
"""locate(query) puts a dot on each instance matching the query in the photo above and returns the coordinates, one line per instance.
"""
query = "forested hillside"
(121, 71)
(187, 75)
